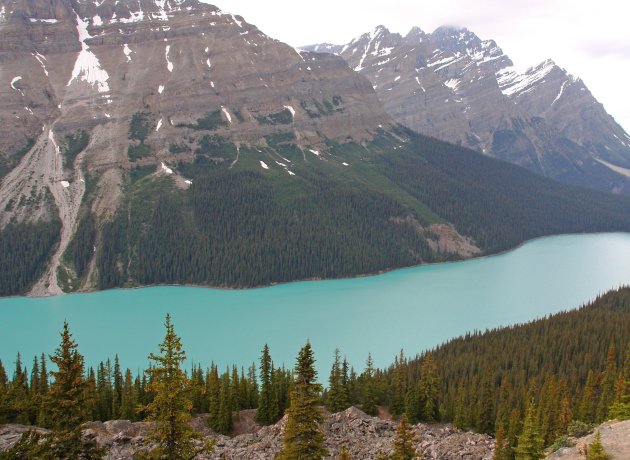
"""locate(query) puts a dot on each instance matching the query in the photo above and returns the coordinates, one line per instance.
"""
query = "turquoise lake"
(413, 309)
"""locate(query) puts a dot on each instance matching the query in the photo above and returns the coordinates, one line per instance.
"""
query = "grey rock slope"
(454, 86)
(365, 437)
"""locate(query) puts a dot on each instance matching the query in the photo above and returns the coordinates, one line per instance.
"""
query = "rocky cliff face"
(68, 66)
(365, 437)
(97, 88)
(452, 85)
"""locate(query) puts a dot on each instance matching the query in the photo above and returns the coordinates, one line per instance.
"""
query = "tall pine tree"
(170, 408)
(303, 436)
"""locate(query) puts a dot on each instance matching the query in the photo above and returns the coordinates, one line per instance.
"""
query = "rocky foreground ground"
(365, 437)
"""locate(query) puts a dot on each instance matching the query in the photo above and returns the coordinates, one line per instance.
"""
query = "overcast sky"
(590, 39)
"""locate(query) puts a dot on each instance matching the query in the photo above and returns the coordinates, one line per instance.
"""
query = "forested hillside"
(532, 382)
(352, 209)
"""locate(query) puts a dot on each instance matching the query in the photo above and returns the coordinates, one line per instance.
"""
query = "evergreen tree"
(117, 390)
(512, 434)
(501, 447)
(128, 400)
(18, 395)
(530, 444)
(607, 394)
(170, 408)
(368, 391)
(3, 395)
(337, 398)
(429, 387)
(67, 403)
(586, 411)
(252, 385)
(214, 398)
(303, 437)
(399, 386)
(461, 408)
(267, 412)
(620, 409)
(404, 442)
(224, 418)
(596, 449)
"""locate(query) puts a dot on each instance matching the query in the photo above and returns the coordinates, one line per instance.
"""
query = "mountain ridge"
(174, 143)
(454, 86)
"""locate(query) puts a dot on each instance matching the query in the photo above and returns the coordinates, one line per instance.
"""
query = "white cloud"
(589, 39)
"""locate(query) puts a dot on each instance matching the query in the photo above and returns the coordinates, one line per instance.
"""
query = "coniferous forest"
(245, 226)
(531, 385)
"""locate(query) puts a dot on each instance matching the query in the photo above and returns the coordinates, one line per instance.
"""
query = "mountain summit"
(454, 86)
(169, 142)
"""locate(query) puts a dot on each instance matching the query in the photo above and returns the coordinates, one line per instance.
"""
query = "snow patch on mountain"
(87, 67)
(41, 60)
(127, 52)
(513, 83)
(227, 114)
(169, 64)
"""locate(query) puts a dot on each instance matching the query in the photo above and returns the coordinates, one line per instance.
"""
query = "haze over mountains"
(454, 86)
(166, 141)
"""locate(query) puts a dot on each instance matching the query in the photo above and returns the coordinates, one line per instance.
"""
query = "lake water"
(414, 309)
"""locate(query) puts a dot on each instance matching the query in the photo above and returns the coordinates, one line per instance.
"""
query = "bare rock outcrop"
(615, 438)
(365, 437)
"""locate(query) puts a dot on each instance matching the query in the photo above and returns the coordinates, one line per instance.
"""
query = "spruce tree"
(170, 408)
(429, 387)
(596, 449)
(3, 395)
(399, 386)
(501, 447)
(267, 411)
(404, 442)
(530, 443)
(337, 398)
(67, 403)
(620, 409)
(607, 394)
(368, 391)
(252, 385)
(303, 436)
(128, 399)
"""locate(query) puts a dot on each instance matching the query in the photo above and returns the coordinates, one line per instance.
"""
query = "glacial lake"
(413, 309)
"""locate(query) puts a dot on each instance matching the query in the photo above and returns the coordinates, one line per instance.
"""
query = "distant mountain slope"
(454, 86)
(176, 143)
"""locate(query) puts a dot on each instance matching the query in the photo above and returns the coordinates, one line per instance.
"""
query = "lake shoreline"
(306, 280)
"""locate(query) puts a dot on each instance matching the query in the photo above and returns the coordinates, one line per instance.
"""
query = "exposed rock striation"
(452, 85)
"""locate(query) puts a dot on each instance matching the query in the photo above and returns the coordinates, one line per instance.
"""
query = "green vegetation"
(209, 122)
(136, 152)
(25, 249)
(284, 117)
(140, 126)
(74, 144)
(596, 449)
(178, 148)
(303, 436)
(533, 377)
(170, 407)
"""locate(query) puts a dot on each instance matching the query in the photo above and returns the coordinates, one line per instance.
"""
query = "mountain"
(152, 142)
(452, 85)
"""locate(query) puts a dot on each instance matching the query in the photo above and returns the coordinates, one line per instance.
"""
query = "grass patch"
(136, 152)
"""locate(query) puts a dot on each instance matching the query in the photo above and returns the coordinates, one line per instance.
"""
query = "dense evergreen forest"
(24, 250)
(352, 209)
(242, 227)
(541, 380)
